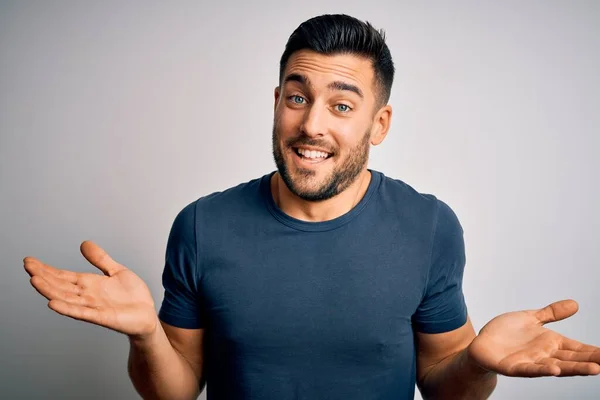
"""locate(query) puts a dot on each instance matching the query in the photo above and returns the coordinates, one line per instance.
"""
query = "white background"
(114, 116)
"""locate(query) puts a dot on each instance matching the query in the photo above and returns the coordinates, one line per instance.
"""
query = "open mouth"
(311, 155)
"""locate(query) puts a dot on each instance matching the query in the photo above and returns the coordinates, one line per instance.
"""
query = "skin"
(313, 115)
(166, 362)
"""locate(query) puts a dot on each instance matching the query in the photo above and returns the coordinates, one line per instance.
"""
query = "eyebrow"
(335, 85)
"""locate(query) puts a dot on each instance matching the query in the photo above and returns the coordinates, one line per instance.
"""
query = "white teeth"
(312, 153)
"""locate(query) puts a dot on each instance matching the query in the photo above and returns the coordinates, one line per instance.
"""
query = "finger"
(34, 266)
(50, 275)
(573, 368)
(82, 313)
(574, 345)
(100, 258)
(533, 370)
(62, 284)
(581, 356)
(52, 293)
(556, 311)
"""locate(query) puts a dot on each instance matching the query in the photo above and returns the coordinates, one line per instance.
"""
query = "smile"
(311, 155)
(305, 158)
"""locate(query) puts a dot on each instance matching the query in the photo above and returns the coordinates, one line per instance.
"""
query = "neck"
(325, 210)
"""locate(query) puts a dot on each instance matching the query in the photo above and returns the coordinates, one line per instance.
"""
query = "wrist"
(146, 338)
(472, 365)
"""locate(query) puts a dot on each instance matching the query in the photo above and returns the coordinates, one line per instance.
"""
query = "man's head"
(335, 80)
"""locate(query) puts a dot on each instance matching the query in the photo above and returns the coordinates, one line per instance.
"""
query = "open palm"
(118, 299)
(518, 344)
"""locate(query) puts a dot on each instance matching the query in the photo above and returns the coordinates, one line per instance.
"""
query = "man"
(322, 280)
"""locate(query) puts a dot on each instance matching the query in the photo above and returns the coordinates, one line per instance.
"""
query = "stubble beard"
(340, 178)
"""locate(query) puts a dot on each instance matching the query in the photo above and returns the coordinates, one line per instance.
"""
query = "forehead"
(322, 69)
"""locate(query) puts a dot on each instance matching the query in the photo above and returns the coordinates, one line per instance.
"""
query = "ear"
(277, 94)
(381, 124)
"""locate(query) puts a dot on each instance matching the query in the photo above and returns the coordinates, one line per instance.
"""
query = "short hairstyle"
(332, 34)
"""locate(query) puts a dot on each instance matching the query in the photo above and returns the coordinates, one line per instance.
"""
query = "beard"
(339, 179)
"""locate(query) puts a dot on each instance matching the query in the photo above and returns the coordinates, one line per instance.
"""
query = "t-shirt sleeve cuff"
(180, 322)
(441, 326)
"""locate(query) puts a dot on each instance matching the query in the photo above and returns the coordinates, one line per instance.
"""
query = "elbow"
(480, 389)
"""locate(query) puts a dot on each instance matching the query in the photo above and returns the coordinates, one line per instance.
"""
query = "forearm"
(457, 377)
(158, 371)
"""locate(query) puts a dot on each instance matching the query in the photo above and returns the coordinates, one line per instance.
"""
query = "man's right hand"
(118, 300)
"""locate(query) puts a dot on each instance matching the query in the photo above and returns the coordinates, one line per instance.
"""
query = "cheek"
(349, 134)
(288, 122)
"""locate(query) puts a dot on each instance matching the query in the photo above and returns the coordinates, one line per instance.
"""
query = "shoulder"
(403, 200)
(219, 211)
(447, 223)
(414, 207)
(234, 198)
(398, 192)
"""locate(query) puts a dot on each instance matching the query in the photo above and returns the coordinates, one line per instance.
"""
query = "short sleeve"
(443, 307)
(181, 303)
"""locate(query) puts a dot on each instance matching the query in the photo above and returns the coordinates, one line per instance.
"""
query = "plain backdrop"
(115, 115)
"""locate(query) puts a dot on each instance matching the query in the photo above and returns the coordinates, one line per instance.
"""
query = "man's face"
(323, 122)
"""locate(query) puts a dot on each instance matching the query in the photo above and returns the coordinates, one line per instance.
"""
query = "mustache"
(306, 141)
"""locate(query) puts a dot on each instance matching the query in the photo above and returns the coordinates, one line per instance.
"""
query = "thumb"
(556, 311)
(100, 258)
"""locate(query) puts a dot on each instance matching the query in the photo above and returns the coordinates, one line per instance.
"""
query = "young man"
(322, 280)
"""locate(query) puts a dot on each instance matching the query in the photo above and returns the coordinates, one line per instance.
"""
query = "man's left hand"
(518, 344)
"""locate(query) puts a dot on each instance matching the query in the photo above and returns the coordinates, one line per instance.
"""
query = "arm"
(453, 362)
(443, 330)
(445, 369)
(167, 364)
(165, 361)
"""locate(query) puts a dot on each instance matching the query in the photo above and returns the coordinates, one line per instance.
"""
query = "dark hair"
(332, 34)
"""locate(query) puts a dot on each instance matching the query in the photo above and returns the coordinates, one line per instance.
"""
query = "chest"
(337, 295)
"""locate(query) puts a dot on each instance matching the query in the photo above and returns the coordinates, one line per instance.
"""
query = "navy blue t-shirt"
(314, 310)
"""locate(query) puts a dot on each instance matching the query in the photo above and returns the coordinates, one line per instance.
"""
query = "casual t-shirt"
(314, 310)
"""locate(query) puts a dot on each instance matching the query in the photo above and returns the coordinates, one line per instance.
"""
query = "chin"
(311, 188)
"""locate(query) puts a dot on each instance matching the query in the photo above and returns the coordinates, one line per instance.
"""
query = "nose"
(315, 121)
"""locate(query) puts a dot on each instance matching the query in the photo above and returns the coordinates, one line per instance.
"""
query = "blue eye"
(297, 99)
(343, 108)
